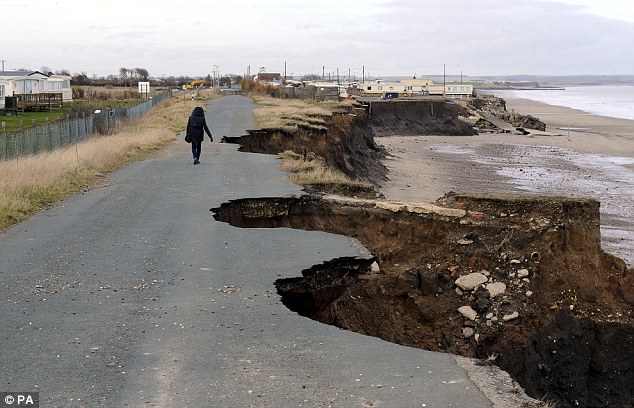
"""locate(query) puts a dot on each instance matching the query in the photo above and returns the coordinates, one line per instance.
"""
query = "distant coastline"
(489, 89)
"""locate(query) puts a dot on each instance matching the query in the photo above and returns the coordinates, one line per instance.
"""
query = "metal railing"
(53, 135)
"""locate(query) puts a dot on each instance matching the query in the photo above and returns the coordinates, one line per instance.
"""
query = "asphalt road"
(132, 295)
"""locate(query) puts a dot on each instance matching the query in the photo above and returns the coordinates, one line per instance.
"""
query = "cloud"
(387, 37)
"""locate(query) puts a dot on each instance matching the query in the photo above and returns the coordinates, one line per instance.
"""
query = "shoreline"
(596, 161)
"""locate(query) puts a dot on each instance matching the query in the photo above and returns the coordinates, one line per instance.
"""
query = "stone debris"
(468, 312)
(522, 273)
(510, 317)
(471, 281)
(496, 288)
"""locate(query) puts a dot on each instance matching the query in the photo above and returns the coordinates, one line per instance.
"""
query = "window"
(1, 90)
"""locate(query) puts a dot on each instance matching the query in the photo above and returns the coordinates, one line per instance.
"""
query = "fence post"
(4, 140)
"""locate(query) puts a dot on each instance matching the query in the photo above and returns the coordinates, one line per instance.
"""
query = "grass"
(28, 119)
(32, 183)
(312, 173)
(289, 115)
(314, 176)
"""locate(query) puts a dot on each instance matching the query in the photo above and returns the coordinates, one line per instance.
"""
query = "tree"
(311, 77)
(80, 79)
(141, 73)
(124, 74)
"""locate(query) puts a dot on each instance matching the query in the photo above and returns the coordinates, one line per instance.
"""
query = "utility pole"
(3, 61)
(284, 71)
(337, 75)
(363, 75)
(444, 81)
(323, 72)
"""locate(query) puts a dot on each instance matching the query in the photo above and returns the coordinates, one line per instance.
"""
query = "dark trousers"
(196, 147)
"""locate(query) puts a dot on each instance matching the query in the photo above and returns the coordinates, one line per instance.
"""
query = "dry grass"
(315, 176)
(31, 183)
(291, 114)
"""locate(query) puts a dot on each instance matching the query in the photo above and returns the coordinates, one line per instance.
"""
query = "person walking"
(196, 128)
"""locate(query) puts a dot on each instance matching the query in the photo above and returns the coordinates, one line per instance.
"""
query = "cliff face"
(476, 276)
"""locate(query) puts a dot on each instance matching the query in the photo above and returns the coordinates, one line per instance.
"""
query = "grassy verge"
(314, 176)
(289, 115)
(32, 183)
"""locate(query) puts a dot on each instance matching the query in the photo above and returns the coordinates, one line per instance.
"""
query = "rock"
(467, 312)
(485, 273)
(489, 315)
(459, 292)
(522, 273)
(529, 293)
(511, 316)
(496, 288)
(468, 332)
(515, 261)
(470, 281)
(465, 242)
(375, 267)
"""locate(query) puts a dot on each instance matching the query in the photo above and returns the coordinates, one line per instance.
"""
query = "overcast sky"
(387, 37)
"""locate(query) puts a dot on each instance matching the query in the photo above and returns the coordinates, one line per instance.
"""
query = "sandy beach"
(580, 155)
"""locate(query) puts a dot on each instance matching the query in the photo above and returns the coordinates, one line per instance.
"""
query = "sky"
(358, 37)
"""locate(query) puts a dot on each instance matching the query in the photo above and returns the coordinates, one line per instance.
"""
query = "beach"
(580, 155)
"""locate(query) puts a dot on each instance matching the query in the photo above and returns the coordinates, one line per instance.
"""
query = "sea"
(609, 179)
(616, 101)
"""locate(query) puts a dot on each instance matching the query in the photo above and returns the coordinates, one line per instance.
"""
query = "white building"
(451, 90)
(409, 86)
(33, 82)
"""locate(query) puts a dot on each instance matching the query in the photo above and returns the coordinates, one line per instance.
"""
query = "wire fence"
(53, 135)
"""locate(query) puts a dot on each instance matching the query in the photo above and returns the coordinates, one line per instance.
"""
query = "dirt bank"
(518, 277)
(531, 258)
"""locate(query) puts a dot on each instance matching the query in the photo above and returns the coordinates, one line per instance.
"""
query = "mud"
(549, 306)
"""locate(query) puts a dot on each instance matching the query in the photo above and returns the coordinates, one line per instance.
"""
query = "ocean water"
(605, 100)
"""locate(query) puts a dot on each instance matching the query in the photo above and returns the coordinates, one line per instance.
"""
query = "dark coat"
(196, 125)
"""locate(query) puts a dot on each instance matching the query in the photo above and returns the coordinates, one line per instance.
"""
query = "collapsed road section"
(520, 282)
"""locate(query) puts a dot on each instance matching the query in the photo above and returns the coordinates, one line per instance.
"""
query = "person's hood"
(198, 111)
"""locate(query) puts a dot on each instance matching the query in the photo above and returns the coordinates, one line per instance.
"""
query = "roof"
(268, 75)
(20, 73)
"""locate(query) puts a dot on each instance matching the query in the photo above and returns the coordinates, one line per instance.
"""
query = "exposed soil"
(521, 282)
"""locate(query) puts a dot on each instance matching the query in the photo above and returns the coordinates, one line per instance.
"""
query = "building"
(410, 86)
(451, 90)
(14, 83)
(270, 78)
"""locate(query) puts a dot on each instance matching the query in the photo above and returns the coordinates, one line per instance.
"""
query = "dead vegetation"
(313, 174)
(289, 115)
